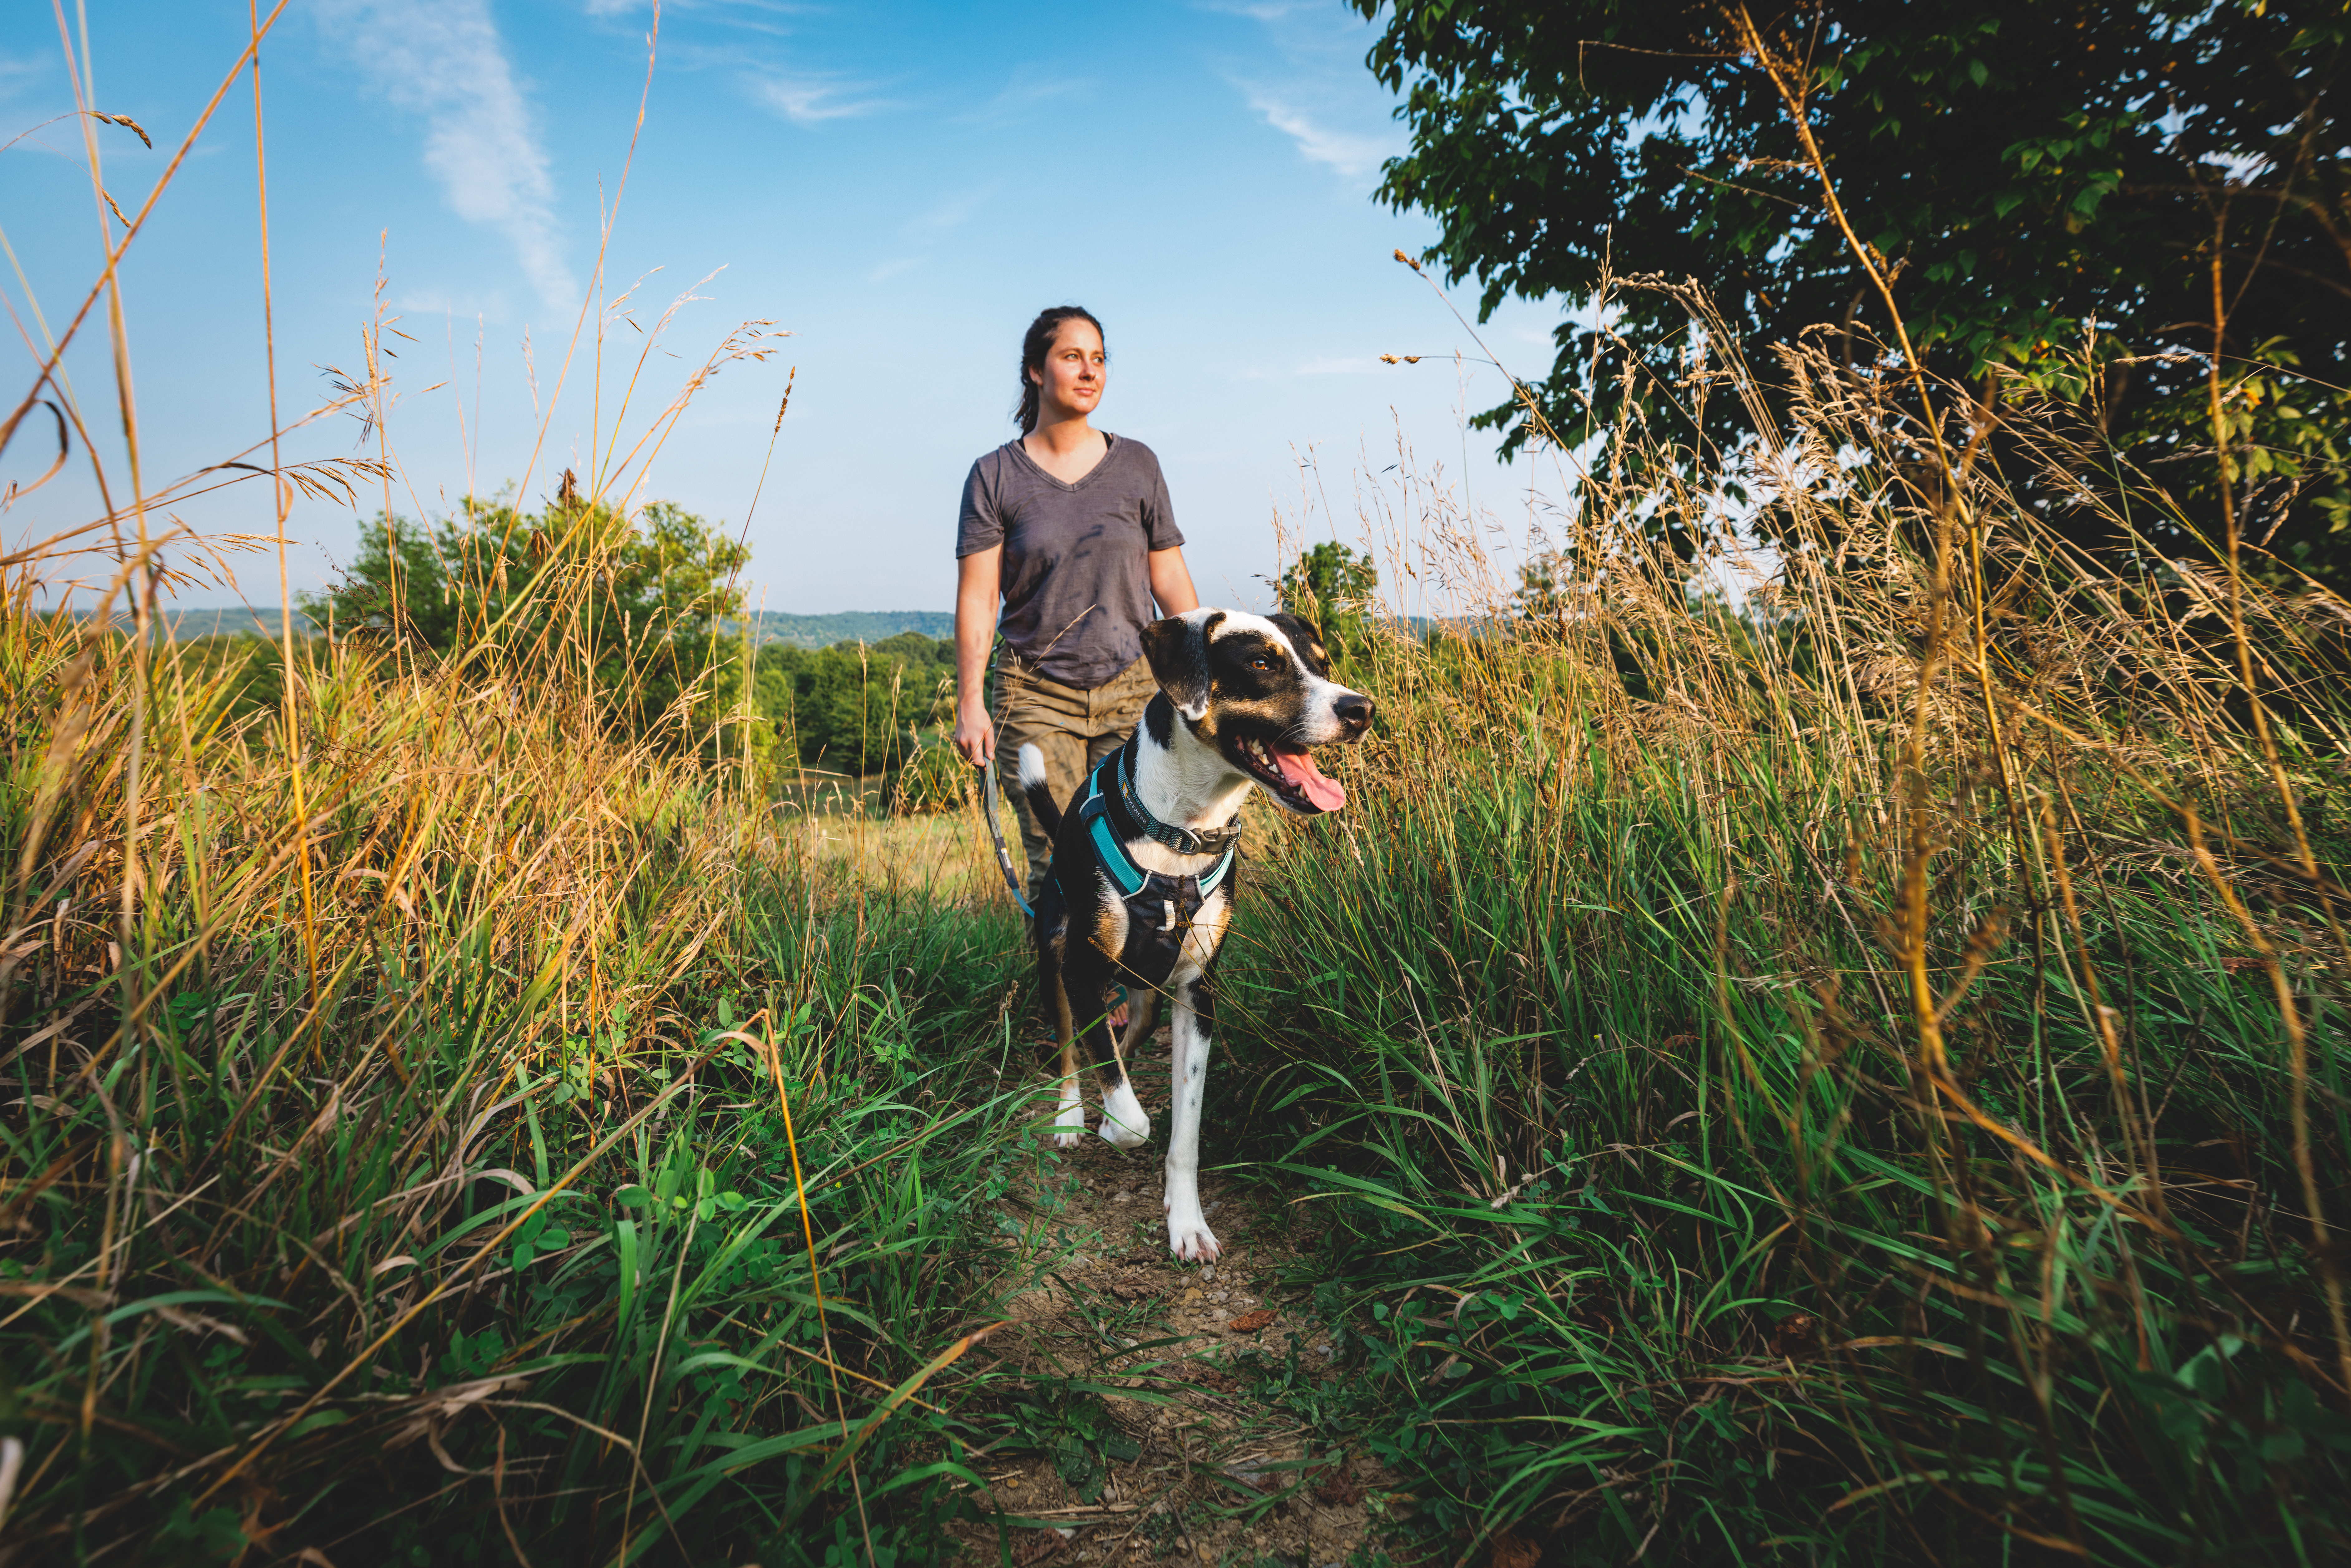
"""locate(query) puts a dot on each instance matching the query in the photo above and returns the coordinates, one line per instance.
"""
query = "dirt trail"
(1186, 1465)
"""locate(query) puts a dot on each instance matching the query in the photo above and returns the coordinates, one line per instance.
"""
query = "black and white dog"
(1146, 860)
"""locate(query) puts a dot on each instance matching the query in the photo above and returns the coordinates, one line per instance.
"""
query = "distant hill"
(218, 620)
(767, 625)
(849, 626)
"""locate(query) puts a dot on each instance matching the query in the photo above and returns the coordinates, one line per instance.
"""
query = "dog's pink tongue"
(1298, 767)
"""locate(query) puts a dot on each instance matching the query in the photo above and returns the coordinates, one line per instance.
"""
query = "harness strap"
(1129, 877)
(1183, 841)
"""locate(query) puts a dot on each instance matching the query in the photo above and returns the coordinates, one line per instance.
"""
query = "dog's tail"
(1042, 804)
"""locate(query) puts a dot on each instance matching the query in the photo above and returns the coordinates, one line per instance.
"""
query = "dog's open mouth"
(1289, 772)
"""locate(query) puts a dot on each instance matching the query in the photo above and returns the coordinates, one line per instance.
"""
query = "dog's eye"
(1261, 663)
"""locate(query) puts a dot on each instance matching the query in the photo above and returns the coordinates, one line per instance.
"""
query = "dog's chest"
(1163, 923)
(1160, 894)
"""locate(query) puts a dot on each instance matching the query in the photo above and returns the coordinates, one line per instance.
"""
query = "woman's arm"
(979, 582)
(1171, 581)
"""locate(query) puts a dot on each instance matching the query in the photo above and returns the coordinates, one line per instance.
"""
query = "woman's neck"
(1066, 437)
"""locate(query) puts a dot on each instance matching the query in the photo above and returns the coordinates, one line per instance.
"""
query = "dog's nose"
(1354, 711)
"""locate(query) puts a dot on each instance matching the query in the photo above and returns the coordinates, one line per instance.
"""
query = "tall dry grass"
(1844, 1069)
(453, 1135)
(444, 1117)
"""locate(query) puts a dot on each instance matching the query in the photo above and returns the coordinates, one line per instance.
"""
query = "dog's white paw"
(1124, 1121)
(1070, 1126)
(1188, 1236)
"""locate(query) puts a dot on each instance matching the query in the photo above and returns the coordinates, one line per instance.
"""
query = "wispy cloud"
(1025, 95)
(1353, 154)
(1266, 11)
(1311, 36)
(1323, 99)
(953, 212)
(445, 60)
(755, 13)
(923, 231)
(1321, 365)
(434, 302)
(19, 72)
(806, 100)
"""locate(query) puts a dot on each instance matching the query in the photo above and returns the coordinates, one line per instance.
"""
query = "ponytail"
(1035, 344)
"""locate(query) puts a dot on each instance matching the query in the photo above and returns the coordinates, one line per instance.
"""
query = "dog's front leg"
(1086, 978)
(1069, 1120)
(1125, 1122)
(1188, 1236)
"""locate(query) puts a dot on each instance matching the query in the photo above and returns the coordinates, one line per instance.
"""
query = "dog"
(1146, 863)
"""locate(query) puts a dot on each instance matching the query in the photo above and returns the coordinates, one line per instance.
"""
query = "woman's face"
(1075, 369)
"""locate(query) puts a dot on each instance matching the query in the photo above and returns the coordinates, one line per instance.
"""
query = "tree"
(641, 604)
(1330, 588)
(855, 707)
(2055, 185)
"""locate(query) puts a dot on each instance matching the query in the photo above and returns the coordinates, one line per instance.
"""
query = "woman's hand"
(975, 733)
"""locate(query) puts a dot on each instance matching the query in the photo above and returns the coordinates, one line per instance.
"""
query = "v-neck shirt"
(1076, 574)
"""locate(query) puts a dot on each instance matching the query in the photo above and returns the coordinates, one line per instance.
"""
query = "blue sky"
(898, 187)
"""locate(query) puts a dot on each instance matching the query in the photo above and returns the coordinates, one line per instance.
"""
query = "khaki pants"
(1074, 727)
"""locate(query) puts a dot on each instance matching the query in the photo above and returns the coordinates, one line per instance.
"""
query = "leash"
(995, 833)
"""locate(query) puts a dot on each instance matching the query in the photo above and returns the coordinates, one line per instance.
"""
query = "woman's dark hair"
(1035, 344)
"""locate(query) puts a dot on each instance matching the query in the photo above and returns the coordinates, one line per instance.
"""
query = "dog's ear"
(1307, 639)
(1179, 653)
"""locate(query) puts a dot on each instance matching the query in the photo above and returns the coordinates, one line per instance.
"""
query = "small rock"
(1191, 1295)
(1251, 1476)
(1208, 1272)
(1122, 1196)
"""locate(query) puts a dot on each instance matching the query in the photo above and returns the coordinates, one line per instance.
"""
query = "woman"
(1071, 529)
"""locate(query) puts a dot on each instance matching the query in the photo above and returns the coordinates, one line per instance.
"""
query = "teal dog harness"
(1160, 908)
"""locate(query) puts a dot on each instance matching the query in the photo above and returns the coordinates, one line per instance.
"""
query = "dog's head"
(1257, 690)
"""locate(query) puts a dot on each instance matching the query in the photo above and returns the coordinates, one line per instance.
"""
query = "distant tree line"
(639, 605)
(855, 707)
(845, 626)
(650, 609)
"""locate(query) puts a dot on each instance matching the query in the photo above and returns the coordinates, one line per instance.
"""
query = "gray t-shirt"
(1077, 577)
